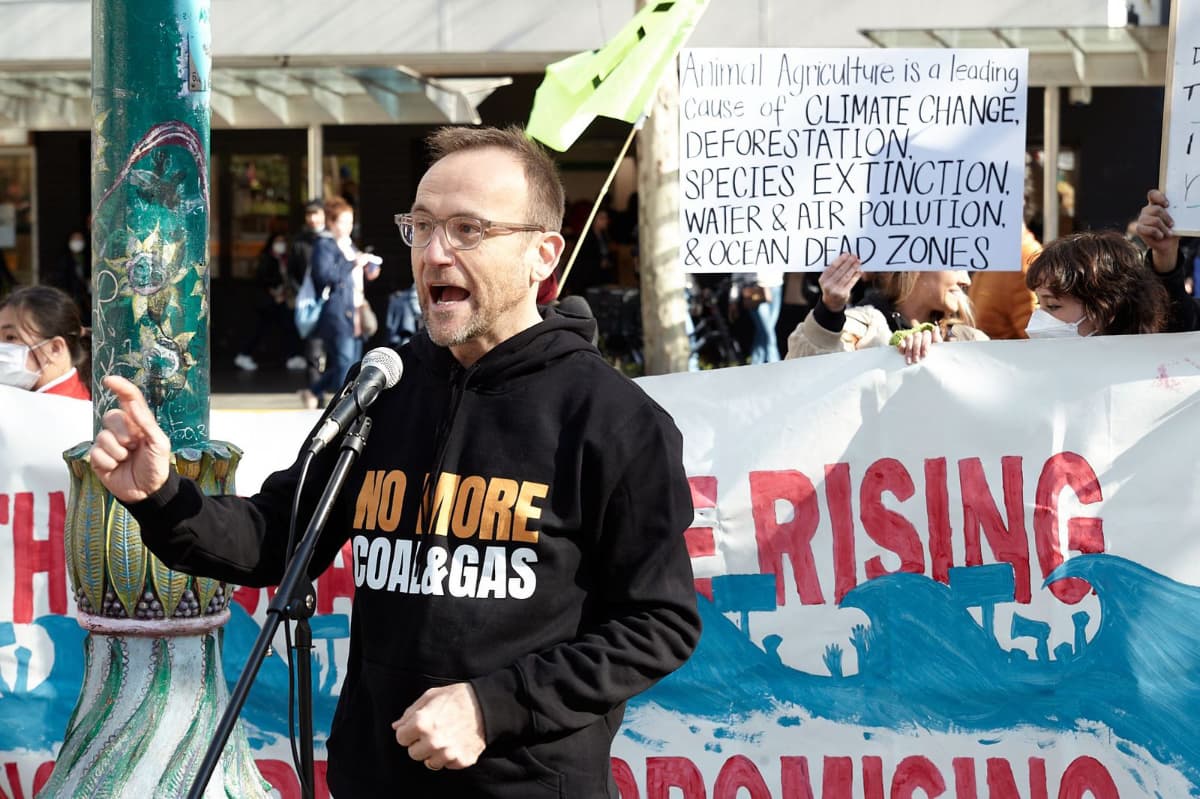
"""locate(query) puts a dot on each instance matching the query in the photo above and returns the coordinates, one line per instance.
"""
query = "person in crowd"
(762, 296)
(43, 345)
(299, 258)
(7, 281)
(277, 288)
(596, 263)
(908, 310)
(338, 264)
(507, 615)
(1002, 302)
(73, 273)
(1170, 261)
(1091, 284)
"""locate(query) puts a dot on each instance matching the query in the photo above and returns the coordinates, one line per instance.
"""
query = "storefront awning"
(266, 97)
(1080, 56)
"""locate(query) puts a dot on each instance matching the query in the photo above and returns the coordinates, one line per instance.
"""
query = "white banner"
(973, 577)
(913, 159)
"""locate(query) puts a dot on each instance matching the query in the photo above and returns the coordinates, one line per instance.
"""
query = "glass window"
(339, 178)
(17, 216)
(1068, 182)
(261, 188)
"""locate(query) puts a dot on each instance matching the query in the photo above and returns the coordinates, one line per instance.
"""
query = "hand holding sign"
(131, 455)
(1157, 229)
(838, 280)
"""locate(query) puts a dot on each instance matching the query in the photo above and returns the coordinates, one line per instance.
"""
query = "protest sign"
(913, 159)
(969, 577)
(1179, 169)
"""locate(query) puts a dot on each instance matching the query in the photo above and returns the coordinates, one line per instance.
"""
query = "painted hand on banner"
(444, 728)
(132, 454)
(838, 280)
(1156, 227)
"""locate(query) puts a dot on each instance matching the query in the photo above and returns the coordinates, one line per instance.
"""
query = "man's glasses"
(462, 232)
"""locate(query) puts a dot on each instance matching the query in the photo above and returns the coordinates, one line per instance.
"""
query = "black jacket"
(1184, 312)
(556, 579)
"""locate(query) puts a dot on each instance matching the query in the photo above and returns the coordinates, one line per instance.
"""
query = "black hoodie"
(554, 576)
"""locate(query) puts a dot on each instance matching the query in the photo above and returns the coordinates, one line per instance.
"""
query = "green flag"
(618, 80)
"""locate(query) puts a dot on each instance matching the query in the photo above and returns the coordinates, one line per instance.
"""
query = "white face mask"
(279, 248)
(13, 371)
(75, 245)
(1043, 325)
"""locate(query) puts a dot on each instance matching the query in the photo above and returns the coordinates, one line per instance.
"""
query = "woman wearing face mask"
(273, 306)
(1094, 284)
(908, 310)
(73, 273)
(43, 346)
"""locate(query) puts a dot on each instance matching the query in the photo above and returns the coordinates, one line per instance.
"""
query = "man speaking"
(516, 517)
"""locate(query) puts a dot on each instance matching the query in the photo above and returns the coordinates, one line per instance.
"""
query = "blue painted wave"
(930, 666)
(38, 720)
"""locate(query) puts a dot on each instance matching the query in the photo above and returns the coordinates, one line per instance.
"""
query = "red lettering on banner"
(1066, 470)
(320, 772)
(249, 597)
(1009, 543)
(14, 782)
(937, 511)
(888, 528)
(12, 772)
(795, 779)
(1087, 776)
(1007, 533)
(1037, 778)
(33, 555)
(1000, 780)
(42, 776)
(627, 787)
(282, 777)
(701, 542)
(873, 778)
(841, 517)
(964, 778)
(336, 581)
(917, 773)
(740, 772)
(838, 779)
(665, 773)
(793, 538)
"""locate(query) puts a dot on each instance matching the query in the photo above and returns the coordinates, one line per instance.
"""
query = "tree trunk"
(662, 279)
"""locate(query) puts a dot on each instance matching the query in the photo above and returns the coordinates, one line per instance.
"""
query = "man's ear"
(549, 250)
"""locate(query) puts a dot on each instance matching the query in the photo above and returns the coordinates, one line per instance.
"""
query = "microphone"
(381, 368)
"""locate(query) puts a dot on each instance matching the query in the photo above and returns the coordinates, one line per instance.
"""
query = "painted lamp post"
(153, 687)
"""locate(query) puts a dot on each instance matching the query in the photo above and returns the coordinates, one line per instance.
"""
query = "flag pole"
(612, 173)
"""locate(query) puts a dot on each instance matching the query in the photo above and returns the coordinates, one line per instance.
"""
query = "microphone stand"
(295, 595)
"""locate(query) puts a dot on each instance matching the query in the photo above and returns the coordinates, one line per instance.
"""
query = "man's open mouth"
(447, 294)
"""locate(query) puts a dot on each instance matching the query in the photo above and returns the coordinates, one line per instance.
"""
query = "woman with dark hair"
(1094, 284)
(73, 273)
(273, 305)
(906, 310)
(43, 346)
